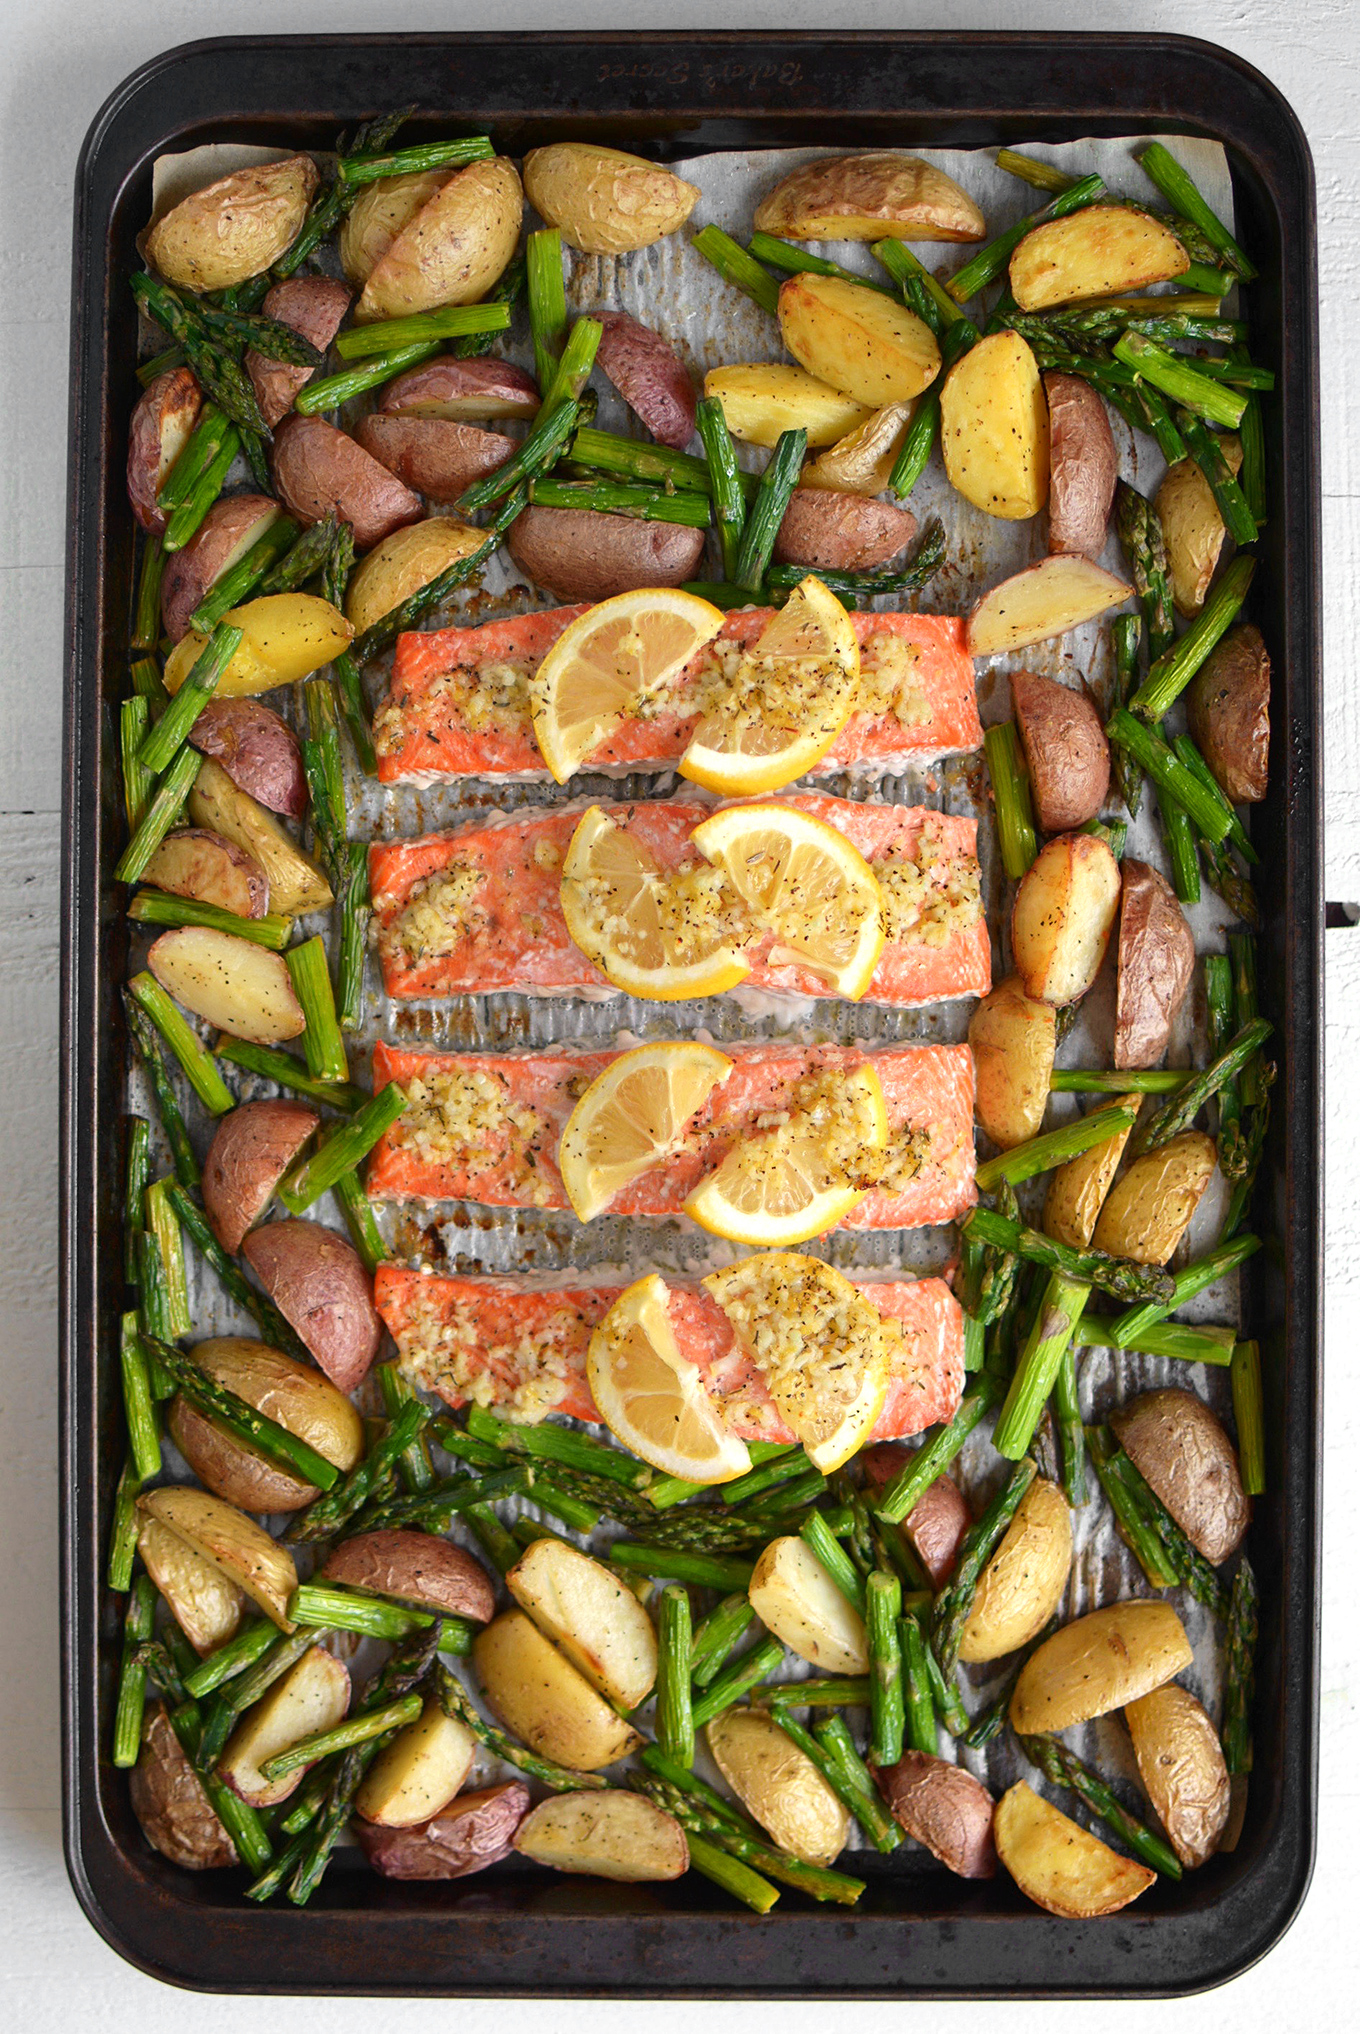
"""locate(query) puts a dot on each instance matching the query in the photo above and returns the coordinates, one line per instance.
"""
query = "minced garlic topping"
(907, 1155)
(806, 1328)
(464, 1117)
(804, 695)
(826, 1131)
(676, 919)
(483, 697)
(887, 669)
(439, 914)
(930, 896)
(523, 1378)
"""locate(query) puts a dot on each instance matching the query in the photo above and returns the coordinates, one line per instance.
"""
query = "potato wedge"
(222, 539)
(944, 1807)
(406, 561)
(233, 1543)
(242, 988)
(1013, 1037)
(778, 1784)
(419, 1773)
(1077, 1190)
(862, 461)
(1192, 527)
(650, 376)
(938, 1520)
(313, 305)
(1180, 1449)
(380, 212)
(1229, 707)
(296, 884)
(1063, 916)
(606, 1836)
(195, 862)
(290, 1393)
(841, 532)
(584, 554)
(540, 1697)
(1155, 968)
(604, 201)
(319, 471)
(1043, 601)
(418, 1568)
(161, 427)
(760, 402)
(1101, 251)
(1098, 1663)
(474, 1831)
(1082, 465)
(1180, 1762)
(794, 1596)
(598, 1623)
(168, 1800)
(258, 751)
(230, 1468)
(317, 1280)
(884, 195)
(435, 458)
(1058, 1864)
(284, 637)
(252, 1148)
(1148, 1211)
(994, 428)
(1065, 749)
(462, 392)
(313, 1695)
(857, 340)
(235, 228)
(205, 1603)
(1023, 1583)
(455, 248)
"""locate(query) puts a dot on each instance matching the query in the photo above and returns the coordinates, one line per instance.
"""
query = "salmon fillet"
(521, 1348)
(497, 923)
(459, 705)
(485, 1127)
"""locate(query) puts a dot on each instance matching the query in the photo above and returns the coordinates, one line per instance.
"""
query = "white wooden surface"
(60, 59)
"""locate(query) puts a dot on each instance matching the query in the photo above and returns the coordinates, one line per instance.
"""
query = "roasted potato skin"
(650, 376)
(1229, 710)
(474, 1831)
(841, 532)
(1181, 1765)
(1042, 602)
(778, 1784)
(944, 1807)
(1098, 1663)
(1101, 251)
(1063, 916)
(292, 1393)
(315, 307)
(381, 211)
(884, 195)
(252, 1148)
(418, 1568)
(1013, 1037)
(205, 1604)
(857, 340)
(994, 428)
(161, 426)
(862, 461)
(257, 750)
(1077, 1190)
(234, 228)
(1082, 465)
(938, 1520)
(605, 1835)
(406, 561)
(229, 1541)
(540, 1697)
(1180, 1449)
(1023, 1583)
(1147, 1212)
(462, 391)
(318, 468)
(432, 456)
(604, 201)
(1193, 528)
(454, 249)
(1058, 1864)
(1156, 965)
(226, 533)
(168, 1800)
(296, 883)
(319, 1284)
(230, 1469)
(1065, 749)
(583, 554)
(195, 862)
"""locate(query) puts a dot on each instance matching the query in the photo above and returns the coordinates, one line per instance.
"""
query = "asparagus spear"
(833, 1558)
(674, 1708)
(702, 1571)
(618, 498)
(146, 613)
(567, 1446)
(508, 290)
(235, 1657)
(724, 481)
(1163, 1338)
(1239, 1658)
(797, 260)
(1134, 1527)
(990, 1721)
(160, 814)
(883, 1602)
(273, 1327)
(434, 1510)
(1065, 1769)
(716, 1638)
(158, 907)
(163, 1224)
(737, 1679)
(902, 1495)
(736, 266)
(123, 1529)
(920, 1728)
(1118, 1275)
(317, 1604)
(369, 168)
(815, 1880)
(1015, 830)
(344, 1495)
(389, 336)
(1208, 455)
(1037, 1364)
(767, 511)
(1173, 670)
(554, 425)
(1175, 377)
(127, 1719)
(547, 301)
(1084, 1081)
(276, 1443)
(205, 1080)
(288, 1072)
(1180, 1111)
(905, 266)
(921, 433)
(342, 1151)
(1186, 1284)
(1170, 775)
(1249, 1415)
(1140, 533)
(1183, 195)
(989, 262)
(842, 1691)
(857, 587)
(1071, 1433)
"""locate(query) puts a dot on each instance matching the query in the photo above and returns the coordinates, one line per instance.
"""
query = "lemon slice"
(800, 1179)
(788, 699)
(655, 936)
(823, 1349)
(652, 1398)
(632, 1116)
(803, 881)
(607, 662)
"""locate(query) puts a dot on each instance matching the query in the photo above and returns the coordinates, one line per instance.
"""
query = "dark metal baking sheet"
(918, 1931)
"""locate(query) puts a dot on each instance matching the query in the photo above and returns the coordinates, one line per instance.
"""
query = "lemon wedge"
(655, 936)
(652, 1398)
(609, 660)
(823, 1349)
(788, 1184)
(787, 701)
(633, 1115)
(803, 881)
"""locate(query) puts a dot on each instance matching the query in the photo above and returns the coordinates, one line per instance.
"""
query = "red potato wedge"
(1147, 1212)
(463, 391)
(251, 1151)
(230, 1469)
(317, 469)
(1179, 1448)
(416, 1567)
(294, 1394)
(1155, 969)
(605, 1834)
(603, 201)
(1229, 708)
(1098, 1663)
(841, 532)
(650, 376)
(885, 194)
(257, 749)
(195, 862)
(168, 1800)
(381, 211)
(315, 306)
(938, 1520)
(436, 458)
(1065, 749)
(1043, 601)
(474, 1831)
(1082, 466)
(945, 1808)
(1063, 916)
(313, 1695)
(205, 1604)
(994, 428)
(1058, 1864)
(582, 554)
(1181, 1765)
(161, 427)
(865, 344)
(296, 883)
(223, 537)
(1013, 1036)
(242, 988)
(319, 1284)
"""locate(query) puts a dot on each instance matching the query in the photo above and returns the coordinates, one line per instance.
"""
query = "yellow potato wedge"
(1102, 251)
(1058, 1864)
(994, 428)
(1013, 1037)
(604, 201)
(454, 249)
(1098, 1663)
(1077, 1190)
(760, 402)
(1023, 1583)
(284, 637)
(1063, 916)
(1043, 601)
(242, 988)
(296, 884)
(1181, 1765)
(404, 562)
(540, 1697)
(605, 1836)
(236, 228)
(420, 1771)
(382, 211)
(313, 1695)
(242, 1550)
(598, 1623)
(857, 340)
(293, 1394)
(886, 195)
(205, 1603)
(792, 1594)
(1192, 526)
(1149, 1210)
(778, 1784)
(862, 461)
